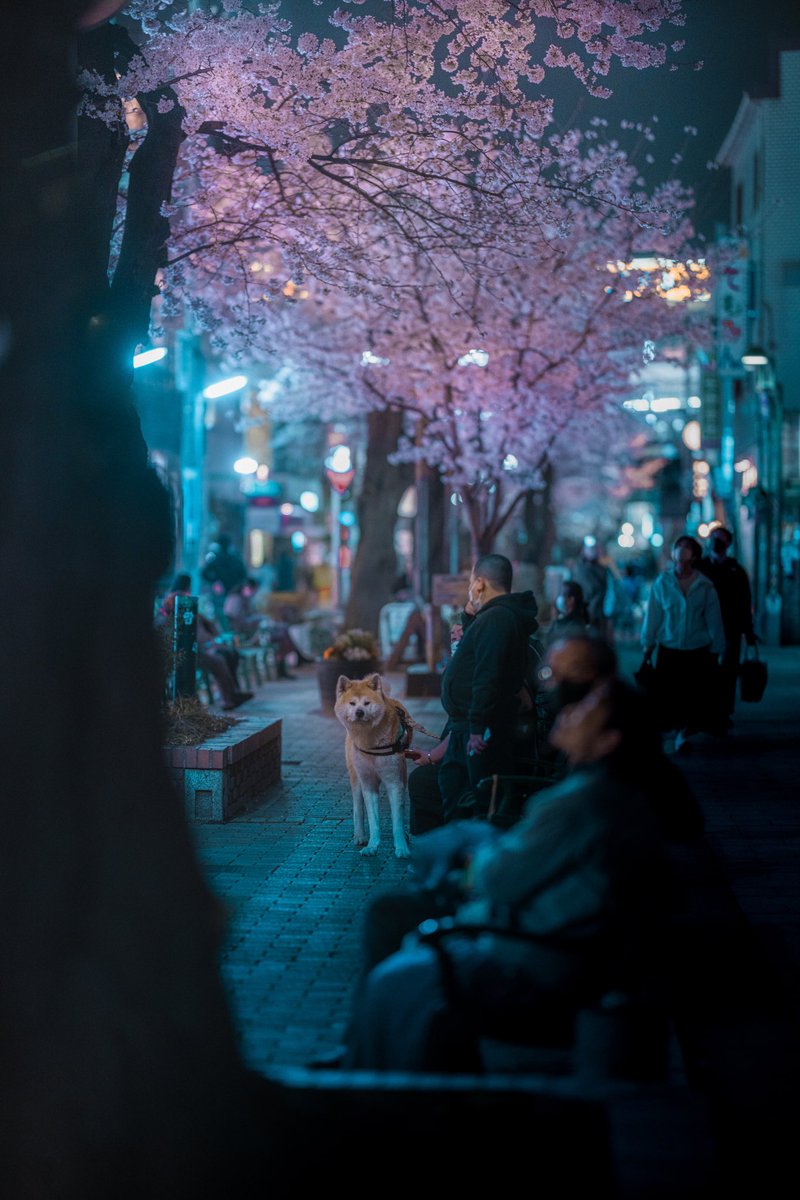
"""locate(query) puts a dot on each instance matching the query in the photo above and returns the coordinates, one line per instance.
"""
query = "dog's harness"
(400, 743)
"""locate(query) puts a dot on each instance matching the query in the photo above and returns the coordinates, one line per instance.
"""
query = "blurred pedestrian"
(571, 613)
(223, 568)
(576, 664)
(594, 576)
(629, 593)
(683, 623)
(239, 613)
(733, 591)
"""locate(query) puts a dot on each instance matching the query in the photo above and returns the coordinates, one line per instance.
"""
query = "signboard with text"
(711, 413)
(731, 282)
(450, 590)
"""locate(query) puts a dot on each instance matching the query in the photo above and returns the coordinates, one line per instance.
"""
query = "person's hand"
(475, 744)
(418, 757)
(648, 655)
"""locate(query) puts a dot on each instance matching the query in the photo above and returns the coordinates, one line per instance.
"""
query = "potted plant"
(354, 653)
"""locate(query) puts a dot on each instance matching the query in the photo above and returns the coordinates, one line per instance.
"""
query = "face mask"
(569, 691)
(561, 604)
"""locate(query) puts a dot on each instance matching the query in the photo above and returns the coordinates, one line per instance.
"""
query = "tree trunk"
(437, 527)
(540, 525)
(119, 1073)
(375, 563)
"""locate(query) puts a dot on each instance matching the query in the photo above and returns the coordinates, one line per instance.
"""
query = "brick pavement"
(296, 888)
(294, 884)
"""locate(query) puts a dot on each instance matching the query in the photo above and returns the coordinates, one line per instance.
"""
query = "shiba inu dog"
(379, 729)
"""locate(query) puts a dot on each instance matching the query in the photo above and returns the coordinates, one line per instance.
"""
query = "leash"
(421, 729)
(403, 739)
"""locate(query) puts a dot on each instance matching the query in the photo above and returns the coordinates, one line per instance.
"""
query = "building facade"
(761, 388)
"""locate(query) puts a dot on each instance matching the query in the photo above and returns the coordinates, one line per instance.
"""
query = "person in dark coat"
(593, 575)
(733, 590)
(223, 566)
(482, 683)
(573, 616)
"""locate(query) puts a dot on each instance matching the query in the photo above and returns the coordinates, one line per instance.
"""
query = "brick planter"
(229, 771)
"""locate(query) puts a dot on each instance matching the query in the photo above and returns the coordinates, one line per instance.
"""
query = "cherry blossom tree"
(486, 380)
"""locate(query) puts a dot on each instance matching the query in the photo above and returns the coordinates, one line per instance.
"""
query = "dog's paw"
(359, 839)
(370, 850)
(402, 851)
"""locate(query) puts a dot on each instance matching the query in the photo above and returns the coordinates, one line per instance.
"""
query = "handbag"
(752, 677)
(646, 675)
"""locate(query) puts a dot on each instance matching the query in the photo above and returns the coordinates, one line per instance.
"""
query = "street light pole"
(336, 547)
(340, 472)
(189, 380)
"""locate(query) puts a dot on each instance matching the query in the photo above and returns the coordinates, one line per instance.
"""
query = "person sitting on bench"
(578, 881)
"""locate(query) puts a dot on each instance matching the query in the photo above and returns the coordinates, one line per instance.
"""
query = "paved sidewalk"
(296, 887)
(295, 884)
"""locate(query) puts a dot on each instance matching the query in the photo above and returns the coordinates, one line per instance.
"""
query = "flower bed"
(229, 771)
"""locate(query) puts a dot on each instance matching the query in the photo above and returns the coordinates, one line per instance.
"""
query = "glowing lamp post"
(340, 472)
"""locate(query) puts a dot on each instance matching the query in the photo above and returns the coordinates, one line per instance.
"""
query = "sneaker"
(238, 698)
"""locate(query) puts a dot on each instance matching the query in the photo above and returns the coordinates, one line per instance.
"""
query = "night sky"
(737, 41)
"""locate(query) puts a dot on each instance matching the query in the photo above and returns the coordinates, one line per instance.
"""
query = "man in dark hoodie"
(481, 685)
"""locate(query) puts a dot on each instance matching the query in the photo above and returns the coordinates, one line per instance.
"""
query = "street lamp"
(340, 471)
(755, 356)
(149, 356)
(245, 465)
(225, 387)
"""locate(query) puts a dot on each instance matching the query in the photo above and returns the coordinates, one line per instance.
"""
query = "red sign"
(340, 480)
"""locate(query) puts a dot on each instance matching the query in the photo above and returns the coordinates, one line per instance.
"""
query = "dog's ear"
(341, 683)
(375, 682)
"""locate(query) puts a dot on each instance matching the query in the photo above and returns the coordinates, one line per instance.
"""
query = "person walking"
(733, 591)
(482, 683)
(595, 579)
(683, 623)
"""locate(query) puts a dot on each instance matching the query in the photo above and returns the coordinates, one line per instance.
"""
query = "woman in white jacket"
(683, 623)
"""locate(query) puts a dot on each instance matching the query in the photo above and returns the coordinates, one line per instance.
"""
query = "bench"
(464, 1134)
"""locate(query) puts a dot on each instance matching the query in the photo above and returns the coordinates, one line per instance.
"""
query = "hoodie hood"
(522, 604)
